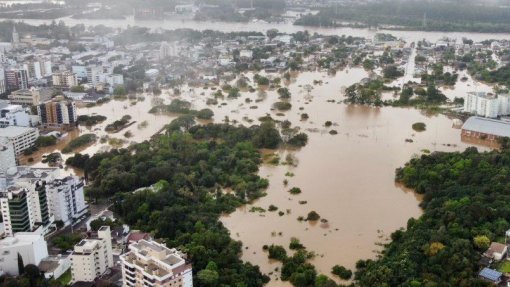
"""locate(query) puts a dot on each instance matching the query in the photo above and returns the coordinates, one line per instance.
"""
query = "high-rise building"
(44, 195)
(16, 79)
(57, 112)
(65, 79)
(34, 70)
(67, 202)
(92, 256)
(29, 247)
(149, 263)
(482, 104)
(45, 67)
(94, 75)
(25, 208)
(504, 104)
(15, 38)
(3, 87)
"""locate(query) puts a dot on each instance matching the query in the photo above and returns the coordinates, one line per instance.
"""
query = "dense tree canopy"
(465, 204)
(190, 170)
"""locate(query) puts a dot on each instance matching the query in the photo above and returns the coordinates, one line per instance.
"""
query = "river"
(172, 24)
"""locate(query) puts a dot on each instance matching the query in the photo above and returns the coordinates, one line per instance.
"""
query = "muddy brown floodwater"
(347, 178)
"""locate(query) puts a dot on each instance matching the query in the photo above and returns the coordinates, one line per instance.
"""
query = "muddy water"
(113, 110)
(347, 178)
(172, 22)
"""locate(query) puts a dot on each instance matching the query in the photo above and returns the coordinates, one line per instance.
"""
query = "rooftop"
(156, 258)
(490, 274)
(20, 239)
(487, 126)
(14, 131)
(29, 174)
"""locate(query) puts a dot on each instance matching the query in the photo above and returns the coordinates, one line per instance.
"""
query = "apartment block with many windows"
(151, 264)
(92, 256)
(57, 112)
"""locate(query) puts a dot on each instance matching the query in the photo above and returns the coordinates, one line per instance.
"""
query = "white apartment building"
(504, 104)
(66, 199)
(14, 115)
(40, 196)
(91, 257)
(7, 155)
(167, 50)
(34, 70)
(30, 246)
(482, 104)
(65, 79)
(21, 137)
(115, 80)
(149, 263)
(38, 69)
(3, 87)
(95, 75)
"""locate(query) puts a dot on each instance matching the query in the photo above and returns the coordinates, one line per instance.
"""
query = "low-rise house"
(55, 266)
(491, 275)
(496, 251)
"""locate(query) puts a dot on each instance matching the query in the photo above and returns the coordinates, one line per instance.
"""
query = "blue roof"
(491, 274)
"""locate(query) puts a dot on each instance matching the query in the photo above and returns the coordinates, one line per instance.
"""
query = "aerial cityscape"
(251, 143)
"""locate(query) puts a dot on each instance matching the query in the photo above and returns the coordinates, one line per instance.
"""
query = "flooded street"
(347, 178)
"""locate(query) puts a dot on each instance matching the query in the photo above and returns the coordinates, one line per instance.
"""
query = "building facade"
(67, 202)
(24, 209)
(21, 138)
(65, 80)
(57, 112)
(30, 247)
(16, 79)
(33, 96)
(489, 130)
(3, 87)
(149, 263)
(91, 257)
(14, 115)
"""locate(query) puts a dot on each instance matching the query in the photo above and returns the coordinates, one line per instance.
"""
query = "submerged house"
(491, 275)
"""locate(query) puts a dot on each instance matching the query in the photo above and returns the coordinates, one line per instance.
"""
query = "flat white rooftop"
(14, 131)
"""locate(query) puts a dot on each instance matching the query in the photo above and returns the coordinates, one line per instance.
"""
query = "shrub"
(295, 190)
(313, 216)
(342, 272)
(299, 140)
(205, 114)
(277, 252)
(419, 127)
(272, 208)
(282, 106)
(78, 142)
